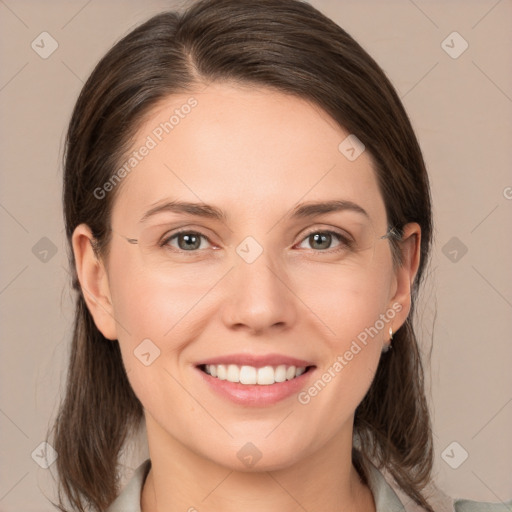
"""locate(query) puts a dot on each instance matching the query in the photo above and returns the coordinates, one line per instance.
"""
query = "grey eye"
(186, 240)
(322, 240)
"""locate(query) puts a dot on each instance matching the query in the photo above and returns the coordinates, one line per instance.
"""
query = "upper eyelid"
(336, 231)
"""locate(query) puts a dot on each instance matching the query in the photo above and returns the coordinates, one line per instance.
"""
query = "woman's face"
(258, 283)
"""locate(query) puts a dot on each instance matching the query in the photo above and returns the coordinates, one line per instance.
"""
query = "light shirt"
(386, 500)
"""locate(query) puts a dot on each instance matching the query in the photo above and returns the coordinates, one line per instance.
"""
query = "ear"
(94, 281)
(410, 248)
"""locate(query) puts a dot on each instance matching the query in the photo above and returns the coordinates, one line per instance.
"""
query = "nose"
(259, 298)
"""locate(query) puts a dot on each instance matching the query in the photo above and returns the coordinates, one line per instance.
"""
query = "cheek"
(151, 304)
(152, 314)
(347, 299)
(353, 307)
(156, 313)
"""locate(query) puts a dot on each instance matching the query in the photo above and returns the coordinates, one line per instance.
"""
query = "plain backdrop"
(460, 104)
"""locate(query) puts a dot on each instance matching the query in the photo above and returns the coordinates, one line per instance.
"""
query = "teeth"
(266, 375)
(281, 373)
(221, 371)
(250, 375)
(233, 373)
(289, 372)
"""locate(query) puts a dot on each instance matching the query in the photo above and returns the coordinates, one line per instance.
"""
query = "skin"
(255, 153)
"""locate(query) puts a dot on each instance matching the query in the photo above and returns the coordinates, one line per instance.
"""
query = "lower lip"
(253, 394)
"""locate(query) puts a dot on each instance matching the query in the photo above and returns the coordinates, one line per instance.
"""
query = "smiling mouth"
(250, 375)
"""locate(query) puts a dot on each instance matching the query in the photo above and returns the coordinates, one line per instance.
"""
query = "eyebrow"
(317, 208)
(196, 209)
(303, 210)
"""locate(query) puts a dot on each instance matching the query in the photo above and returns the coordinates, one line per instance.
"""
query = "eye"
(188, 241)
(192, 241)
(322, 240)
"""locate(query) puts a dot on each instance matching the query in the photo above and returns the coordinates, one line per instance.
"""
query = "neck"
(182, 480)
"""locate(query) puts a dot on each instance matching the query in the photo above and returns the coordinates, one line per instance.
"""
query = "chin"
(260, 455)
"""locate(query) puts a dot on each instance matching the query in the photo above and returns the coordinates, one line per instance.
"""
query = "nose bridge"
(259, 294)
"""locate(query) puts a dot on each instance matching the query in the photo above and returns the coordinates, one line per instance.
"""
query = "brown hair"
(290, 46)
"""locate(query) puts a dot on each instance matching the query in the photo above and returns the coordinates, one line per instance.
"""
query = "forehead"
(253, 152)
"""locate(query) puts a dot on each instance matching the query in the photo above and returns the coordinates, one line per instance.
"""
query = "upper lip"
(257, 361)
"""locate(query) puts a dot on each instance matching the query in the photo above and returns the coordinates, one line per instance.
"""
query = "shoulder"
(461, 505)
(129, 499)
(390, 498)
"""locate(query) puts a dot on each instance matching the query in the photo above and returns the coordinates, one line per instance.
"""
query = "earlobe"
(410, 247)
(93, 281)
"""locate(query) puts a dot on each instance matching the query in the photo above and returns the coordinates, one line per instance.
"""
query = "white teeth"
(233, 374)
(280, 374)
(221, 371)
(264, 376)
(290, 372)
(248, 375)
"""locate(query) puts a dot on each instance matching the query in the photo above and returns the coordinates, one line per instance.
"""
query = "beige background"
(461, 110)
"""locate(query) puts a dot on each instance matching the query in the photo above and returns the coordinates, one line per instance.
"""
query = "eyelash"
(345, 242)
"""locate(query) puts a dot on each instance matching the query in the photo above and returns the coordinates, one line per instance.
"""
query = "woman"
(249, 219)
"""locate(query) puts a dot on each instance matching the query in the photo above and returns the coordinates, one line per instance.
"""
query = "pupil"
(190, 242)
(322, 237)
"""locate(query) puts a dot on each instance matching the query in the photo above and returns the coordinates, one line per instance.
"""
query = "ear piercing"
(388, 346)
